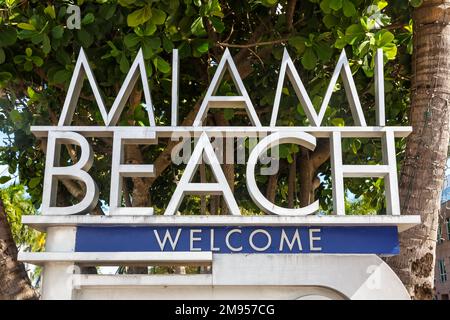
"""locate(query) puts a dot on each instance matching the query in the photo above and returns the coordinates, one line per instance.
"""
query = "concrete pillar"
(58, 277)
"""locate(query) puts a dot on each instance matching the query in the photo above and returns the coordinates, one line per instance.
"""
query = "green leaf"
(197, 27)
(330, 21)
(158, 16)
(131, 40)
(338, 122)
(107, 11)
(34, 182)
(349, 8)
(354, 29)
(86, 39)
(4, 179)
(283, 151)
(147, 49)
(384, 37)
(335, 4)
(88, 19)
(139, 16)
(381, 4)
(298, 43)
(309, 59)
(325, 6)
(124, 64)
(202, 46)
(37, 38)
(149, 29)
(37, 61)
(46, 47)
(228, 114)
(126, 3)
(8, 36)
(390, 50)
(415, 3)
(167, 45)
(31, 93)
(19, 59)
(15, 116)
(5, 76)
(61, 76)
(2, 55)
(26, 26)
(323, 51)
(28, 52)
(57, 32)
(28, 66)
(217, 24)
(161, 64)
(356, 145)
(50, 11)
(289, 158)
(155, 43)
(269, 3)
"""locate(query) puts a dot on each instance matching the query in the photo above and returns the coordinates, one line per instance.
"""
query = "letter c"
(301, 138)
(227, 240)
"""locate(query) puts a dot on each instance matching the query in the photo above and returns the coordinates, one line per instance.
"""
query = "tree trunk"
(292, 181)
(310, 161)
(422, 174)
(140, 196)
(14, 281)
(228, 168)
(271, 190)
(306, 177)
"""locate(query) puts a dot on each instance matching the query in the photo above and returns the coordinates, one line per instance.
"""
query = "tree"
(38, 53)
(13, 276)
(423, 171)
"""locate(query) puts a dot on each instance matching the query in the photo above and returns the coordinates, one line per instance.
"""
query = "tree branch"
(251, 45)
(290, 14)
(321, 154)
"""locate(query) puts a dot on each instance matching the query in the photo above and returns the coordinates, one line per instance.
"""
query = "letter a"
(185, 186)
(241, 101)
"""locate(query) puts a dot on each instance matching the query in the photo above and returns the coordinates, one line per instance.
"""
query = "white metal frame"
(77, 171)
(388, 171)
(300, 138)
(342, 68)
(61, 262)
(185, 186)
(83, 69)
(212, 101)
(119, 170)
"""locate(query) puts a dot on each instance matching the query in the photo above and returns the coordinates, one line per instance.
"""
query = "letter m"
(83, 69)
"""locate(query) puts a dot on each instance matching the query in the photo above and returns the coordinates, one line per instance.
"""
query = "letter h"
(387, 170)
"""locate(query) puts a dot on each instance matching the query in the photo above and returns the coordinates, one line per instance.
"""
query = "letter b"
(77, 171)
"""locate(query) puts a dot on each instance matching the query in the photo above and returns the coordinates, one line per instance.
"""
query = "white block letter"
(273, 140)
(185, 186)
(77, 171)
(119, 170)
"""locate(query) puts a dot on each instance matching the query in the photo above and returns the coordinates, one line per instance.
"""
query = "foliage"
(17, 204)
(361, 206)
(38, 54)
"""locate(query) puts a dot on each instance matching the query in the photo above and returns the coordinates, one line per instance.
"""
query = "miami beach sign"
(280, 230)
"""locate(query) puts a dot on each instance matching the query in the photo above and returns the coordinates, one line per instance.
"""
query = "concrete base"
(240, 276)
(233, 276)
